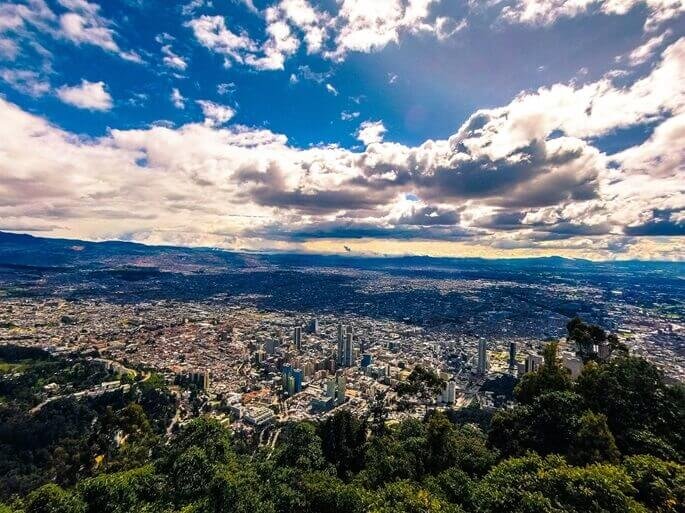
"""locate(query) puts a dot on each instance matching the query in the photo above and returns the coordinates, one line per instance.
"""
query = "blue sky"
(493, 128)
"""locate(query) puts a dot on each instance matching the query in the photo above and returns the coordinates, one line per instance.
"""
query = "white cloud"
(446, 27)
(280, 45)
(26, 81)
(662, 155)
(547, 12)
(358, 26)
(87, 95)
(8, 49)
(177, 99)
(349, 115)
(646, 51)
(173, 60)
(225, 88)
(524, 175)
(332, 90)
(83, 24)
(215, 113)
(211, 32)
(371, 132)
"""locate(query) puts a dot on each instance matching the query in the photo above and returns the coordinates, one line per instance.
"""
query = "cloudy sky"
(495, 128)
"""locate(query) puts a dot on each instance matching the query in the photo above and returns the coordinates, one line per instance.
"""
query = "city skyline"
(494, 129)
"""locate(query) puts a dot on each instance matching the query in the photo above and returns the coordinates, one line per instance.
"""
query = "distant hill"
(28, 250)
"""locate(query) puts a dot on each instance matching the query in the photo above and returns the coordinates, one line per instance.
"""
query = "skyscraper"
(297, 377)
(287, 374)
(482, 357)
(512, 355)
(314, 326)
(349, 349)
(449, 393)
(341, 345)
(341, 387)
(533, 362)
(297, 337)
(367, 360)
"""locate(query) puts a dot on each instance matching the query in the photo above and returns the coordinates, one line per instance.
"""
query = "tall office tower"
(200, 378)
(340, 387)
(297, 376)
(341, 345)
(287, 374)
(482, 357)
(287, 369)
(533, 362)
(314, 326)
(297, 337)
(271, 345)
(450, 393)
(349, 349)
(367, 360)
(512, 355)
(331, 387)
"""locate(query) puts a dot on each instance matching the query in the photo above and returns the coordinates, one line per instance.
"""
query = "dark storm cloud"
(269, 188)
(657, 228)
(317, 202)
(356, 230)
(430, 216)
(504, 220)
(662, 223)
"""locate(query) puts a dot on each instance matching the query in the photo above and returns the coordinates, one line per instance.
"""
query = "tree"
(300, 447)
(343, 439)
(205, 433)
(532, 484)
(378, 414)
(593, 442)
(660, 484)
(328, 494)
(550, 377)
(453, 485)
(450, 446)
(421, 381)
(50, 498)
(406, 497)
(190, 475)
(121, 492)
(645, 415)
(238, 490)
(548, 425)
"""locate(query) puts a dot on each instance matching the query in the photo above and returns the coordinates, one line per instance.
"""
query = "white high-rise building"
(449, 394)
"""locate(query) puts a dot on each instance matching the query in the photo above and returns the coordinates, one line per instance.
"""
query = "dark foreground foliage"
(611, 441)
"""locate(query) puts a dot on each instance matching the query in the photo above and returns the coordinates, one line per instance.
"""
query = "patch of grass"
(11, 368)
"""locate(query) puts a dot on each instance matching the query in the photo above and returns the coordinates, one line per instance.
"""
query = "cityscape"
(259, 363)
(342, 256)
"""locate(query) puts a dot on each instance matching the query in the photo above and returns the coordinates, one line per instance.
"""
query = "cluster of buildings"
(254, 367)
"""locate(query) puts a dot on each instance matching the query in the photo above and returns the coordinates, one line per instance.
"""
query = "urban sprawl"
(254, 368)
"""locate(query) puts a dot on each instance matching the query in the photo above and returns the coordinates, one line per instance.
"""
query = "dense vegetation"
(612, 440)
(70, 439)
